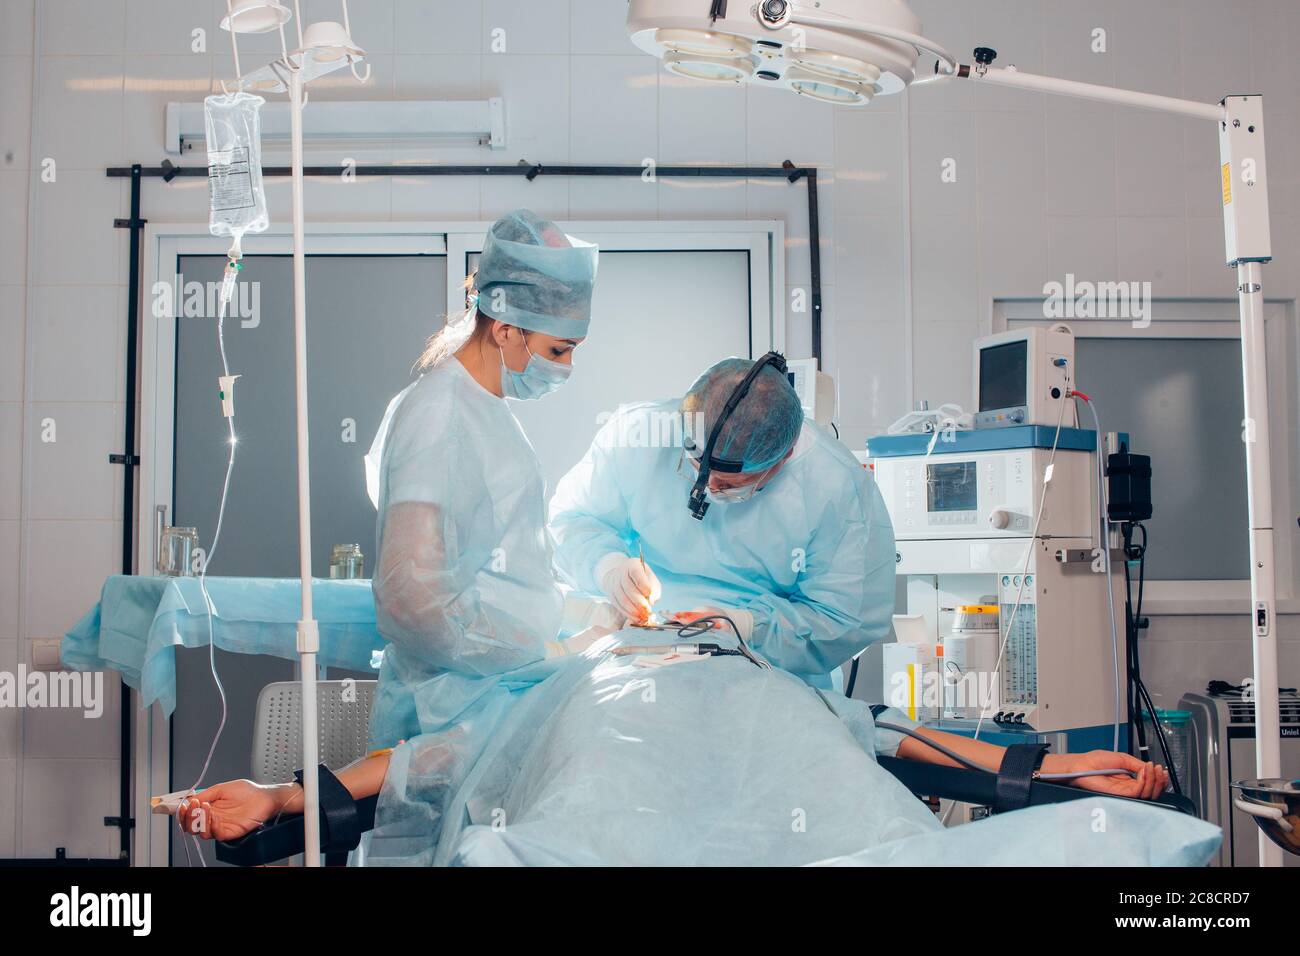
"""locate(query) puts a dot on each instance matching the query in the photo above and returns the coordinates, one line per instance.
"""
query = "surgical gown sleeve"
(858, 717)
(845, 596)
(589, 514)
(438, 535)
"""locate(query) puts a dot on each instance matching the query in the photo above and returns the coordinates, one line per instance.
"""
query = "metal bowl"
(1275, 804)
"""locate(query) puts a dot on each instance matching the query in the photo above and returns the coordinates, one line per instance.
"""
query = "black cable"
(853, 679)
(1140, 699)
(702, 625)
(1137, 732)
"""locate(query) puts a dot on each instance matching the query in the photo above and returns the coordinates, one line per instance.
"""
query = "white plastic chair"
(344, 709)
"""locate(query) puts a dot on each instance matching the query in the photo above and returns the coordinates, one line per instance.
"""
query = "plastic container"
(237, 201)
(1176, 726)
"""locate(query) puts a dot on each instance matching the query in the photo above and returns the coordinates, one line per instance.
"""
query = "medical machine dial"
(774, 14)
(1000, 518)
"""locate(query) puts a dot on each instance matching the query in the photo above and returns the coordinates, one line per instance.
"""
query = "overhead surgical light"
(711, 69)
(255, 16)
(828, 89)
(846, 55)
(706, 55)
(328, 41)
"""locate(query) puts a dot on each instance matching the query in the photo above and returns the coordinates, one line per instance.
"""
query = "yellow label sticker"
(1227, 183)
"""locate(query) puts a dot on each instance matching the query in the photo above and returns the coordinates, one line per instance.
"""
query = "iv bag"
(234, 135)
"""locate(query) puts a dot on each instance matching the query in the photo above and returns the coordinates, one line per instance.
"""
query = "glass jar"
(176, 547)
(347, 563)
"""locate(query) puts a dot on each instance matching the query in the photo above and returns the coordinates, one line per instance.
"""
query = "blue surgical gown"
(465, 580)
(811, 555)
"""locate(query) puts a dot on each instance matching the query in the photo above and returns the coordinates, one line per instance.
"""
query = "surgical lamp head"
(254, 16)
(840, 51)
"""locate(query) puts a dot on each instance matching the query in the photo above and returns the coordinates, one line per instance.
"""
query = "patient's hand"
(228, 811)
(1151, 780)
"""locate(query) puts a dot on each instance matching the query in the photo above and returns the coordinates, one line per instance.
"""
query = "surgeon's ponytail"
(465, 327)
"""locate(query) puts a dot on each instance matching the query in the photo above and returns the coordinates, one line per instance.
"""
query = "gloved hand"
(577, 643)
(631, 585)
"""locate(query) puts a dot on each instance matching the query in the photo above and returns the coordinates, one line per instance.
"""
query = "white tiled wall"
(1039, 192)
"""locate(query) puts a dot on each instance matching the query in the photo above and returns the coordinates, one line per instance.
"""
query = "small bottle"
(347, 563)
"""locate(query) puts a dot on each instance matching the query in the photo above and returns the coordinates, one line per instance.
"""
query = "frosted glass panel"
(659, 319)
(1181, 401)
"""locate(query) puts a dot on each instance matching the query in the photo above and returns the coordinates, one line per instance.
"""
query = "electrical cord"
(1139, 696)
(1132, 627)
(705, 624)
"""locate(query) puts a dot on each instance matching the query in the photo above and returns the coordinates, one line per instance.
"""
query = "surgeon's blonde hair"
(451, 337)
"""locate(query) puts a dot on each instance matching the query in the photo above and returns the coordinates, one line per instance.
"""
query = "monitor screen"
(952, 487)
(1004, 376)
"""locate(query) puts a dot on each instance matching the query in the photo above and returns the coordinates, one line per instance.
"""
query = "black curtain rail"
(530, 171)
(788, 171)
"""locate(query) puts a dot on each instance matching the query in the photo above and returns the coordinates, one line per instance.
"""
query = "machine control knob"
(985, 55)
(773, 14)
(1000, 519)
(1018, 416)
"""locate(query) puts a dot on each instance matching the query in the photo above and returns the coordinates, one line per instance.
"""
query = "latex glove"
(1151, 780)
(576, 644)
(631, 585)
(744, 619)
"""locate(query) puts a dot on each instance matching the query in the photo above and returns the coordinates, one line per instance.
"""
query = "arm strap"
(340, 830)
(1016, 774)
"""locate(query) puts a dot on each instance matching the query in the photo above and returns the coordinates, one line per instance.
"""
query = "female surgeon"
(465, 582)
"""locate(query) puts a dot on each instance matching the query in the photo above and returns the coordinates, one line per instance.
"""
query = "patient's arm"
(1150, 780)
(230, 810)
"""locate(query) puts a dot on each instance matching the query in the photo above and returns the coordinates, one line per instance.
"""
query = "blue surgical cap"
(533, 276)
(763, 427)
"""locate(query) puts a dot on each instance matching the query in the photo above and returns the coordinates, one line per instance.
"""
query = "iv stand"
(289, 73)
